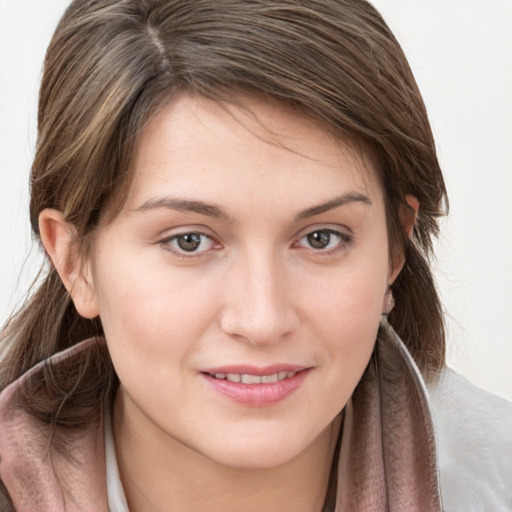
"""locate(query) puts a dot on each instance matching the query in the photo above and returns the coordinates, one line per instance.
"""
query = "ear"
(408, 218)
(409, 215)
(58, 236)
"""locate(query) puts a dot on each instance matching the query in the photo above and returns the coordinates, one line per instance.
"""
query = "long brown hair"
(111, 65)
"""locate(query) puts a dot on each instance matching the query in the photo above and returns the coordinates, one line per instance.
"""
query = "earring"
(389, 302)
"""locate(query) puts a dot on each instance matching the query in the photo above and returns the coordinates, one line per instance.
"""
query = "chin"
(257, 459)
(252, 451)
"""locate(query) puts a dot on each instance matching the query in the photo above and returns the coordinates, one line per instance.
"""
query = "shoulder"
(474, 436)
(51, 447)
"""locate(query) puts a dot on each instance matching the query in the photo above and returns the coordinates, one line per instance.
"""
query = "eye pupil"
(319, 239)
(189, 242)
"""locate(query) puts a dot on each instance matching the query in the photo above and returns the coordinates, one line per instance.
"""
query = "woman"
(235, 198)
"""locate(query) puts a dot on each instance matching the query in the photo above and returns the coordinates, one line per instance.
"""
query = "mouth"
(247, 378)
(253, 387)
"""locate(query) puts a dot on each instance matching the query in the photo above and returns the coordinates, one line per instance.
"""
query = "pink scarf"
(388, 459)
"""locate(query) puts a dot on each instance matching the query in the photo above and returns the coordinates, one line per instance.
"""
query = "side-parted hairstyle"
(113, 63)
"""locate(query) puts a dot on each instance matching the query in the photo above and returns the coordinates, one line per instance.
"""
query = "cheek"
(152, 309)
(349, 297)
(350, 323)
(345, 314)
(153, 327)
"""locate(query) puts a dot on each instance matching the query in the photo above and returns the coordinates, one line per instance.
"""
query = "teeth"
(251, 379)
(254, 379)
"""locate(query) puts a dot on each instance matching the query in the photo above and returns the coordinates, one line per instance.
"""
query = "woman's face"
(241, 287)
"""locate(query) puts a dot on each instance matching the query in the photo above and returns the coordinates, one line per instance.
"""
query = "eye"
(192, 242)
(324, 239)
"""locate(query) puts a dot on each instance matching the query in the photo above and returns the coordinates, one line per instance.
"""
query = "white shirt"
(116, 497)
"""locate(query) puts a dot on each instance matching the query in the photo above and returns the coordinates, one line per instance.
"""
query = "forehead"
(194, 143)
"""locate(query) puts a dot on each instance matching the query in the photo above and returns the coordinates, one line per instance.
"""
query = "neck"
(169, 476)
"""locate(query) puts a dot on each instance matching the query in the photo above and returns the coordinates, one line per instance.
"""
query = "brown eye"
(325, 240)
(189, 243)
(319, 239)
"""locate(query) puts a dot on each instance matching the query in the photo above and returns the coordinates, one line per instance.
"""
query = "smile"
(245, 378)
(251, 387)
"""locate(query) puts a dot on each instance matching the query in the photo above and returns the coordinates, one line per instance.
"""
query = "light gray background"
(461, 53)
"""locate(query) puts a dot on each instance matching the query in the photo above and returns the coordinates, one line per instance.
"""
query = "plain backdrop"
(461, 54)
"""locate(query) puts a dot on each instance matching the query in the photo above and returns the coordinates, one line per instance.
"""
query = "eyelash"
(343, 240)
(167, 244)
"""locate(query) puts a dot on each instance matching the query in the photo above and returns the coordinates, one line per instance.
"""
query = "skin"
(255, 291)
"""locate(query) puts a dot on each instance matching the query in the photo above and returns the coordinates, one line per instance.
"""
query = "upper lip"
(246, 369)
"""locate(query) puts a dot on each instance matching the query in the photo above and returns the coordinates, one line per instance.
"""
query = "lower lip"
(257, 395)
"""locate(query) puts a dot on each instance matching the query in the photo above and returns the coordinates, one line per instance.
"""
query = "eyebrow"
(184, 205)
(210, 210)
(350, 197)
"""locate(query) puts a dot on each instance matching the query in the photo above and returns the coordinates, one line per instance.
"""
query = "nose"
(258, 302)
